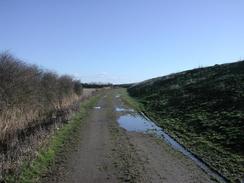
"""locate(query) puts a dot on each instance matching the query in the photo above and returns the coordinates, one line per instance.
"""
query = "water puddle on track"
(135, 122)
(97, 107)
(121, 109)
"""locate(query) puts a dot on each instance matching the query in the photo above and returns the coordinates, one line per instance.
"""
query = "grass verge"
(32, 171)
(128, 100)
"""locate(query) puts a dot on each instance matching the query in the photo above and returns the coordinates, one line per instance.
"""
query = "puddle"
(137, 123)
(98, 107)
(120, 109)
(117, 96)
(140, 123)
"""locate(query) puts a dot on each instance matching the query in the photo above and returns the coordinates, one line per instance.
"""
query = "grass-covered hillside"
(203, 109)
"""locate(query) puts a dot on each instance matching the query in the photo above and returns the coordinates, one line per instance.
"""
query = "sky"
(122, 41)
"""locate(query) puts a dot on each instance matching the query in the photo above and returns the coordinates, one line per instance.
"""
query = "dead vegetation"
(28, 94)
(33, 104)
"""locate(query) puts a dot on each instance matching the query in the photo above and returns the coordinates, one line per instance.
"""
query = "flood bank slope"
(202, 109)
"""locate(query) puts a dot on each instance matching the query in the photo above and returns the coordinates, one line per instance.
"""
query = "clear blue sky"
(122, 41)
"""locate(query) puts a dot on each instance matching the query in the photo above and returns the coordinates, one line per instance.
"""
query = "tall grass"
(61, 139)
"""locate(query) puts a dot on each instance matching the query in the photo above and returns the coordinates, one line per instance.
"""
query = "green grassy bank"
(203, 110)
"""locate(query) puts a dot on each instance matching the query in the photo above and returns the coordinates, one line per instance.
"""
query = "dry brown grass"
(17, 118)
(33, 103)
(17, 148)
(21, 117)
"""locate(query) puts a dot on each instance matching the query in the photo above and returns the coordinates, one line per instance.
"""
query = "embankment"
(203, 109)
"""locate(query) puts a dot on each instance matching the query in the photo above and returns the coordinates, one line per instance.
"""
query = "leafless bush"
(28, 94)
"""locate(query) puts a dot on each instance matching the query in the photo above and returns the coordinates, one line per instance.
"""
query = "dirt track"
(107, 153)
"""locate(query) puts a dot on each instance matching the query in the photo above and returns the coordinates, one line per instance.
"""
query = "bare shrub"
(28, 94)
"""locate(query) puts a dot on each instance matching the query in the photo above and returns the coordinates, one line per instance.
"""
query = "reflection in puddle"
(120, 109)
(137, 123)
(140, 123)
(98, 107)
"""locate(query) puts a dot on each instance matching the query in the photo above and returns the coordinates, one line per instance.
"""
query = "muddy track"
(104, 152)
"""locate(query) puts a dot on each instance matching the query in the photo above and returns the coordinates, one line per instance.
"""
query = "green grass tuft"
(132, 102)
